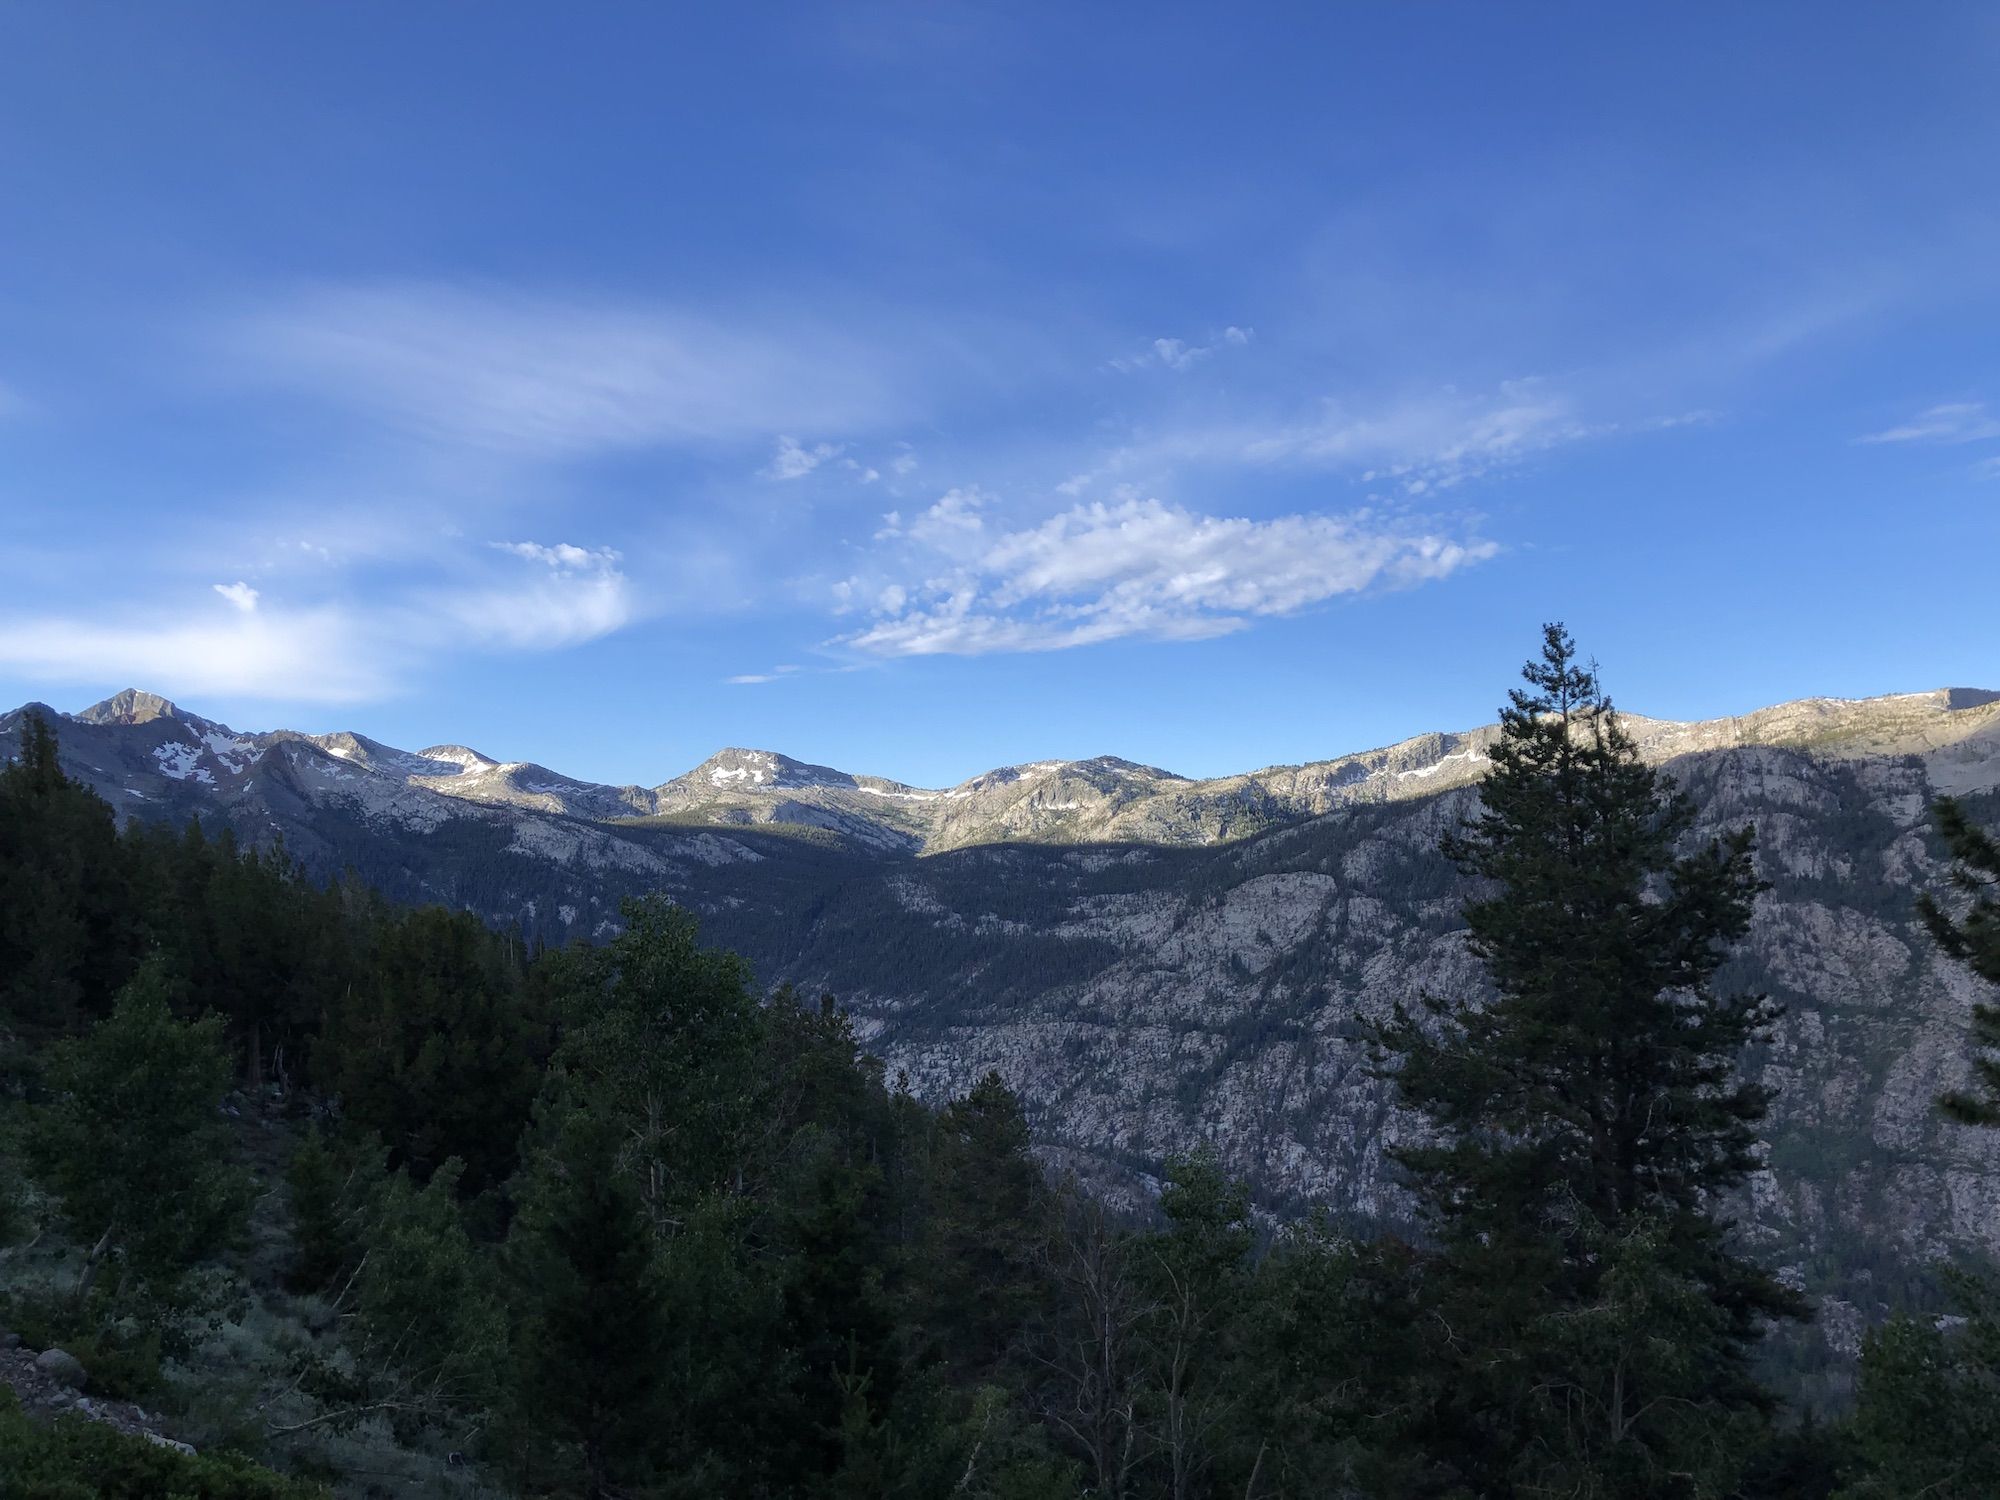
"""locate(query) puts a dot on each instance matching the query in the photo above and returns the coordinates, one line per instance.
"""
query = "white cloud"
(747, 679)
(548, 377)
(334, 650)
(314, 655)
(582, 596)
(1986, 468)
(950, 526)
(794, 462)
(1178, 354)
(1952, 422)
(562, 555)
(1133, 568)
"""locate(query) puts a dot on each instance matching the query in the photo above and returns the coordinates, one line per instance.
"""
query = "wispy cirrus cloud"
(754, 679)
(1416, 443)
(1136, 567)
(1951, 422)
(1433, 441)
(541, 376)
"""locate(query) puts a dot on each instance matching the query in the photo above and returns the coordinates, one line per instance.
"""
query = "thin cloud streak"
(1951, 422)
(545, 377)
(1416, 444)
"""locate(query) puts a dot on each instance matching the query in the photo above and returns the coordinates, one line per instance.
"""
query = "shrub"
(74, 1459)
(123, 1359)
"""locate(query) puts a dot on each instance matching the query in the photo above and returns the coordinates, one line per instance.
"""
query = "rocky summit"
(1156, 961)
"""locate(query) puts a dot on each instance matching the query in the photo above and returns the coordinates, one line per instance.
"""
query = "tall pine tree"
(1583, 1121)
(68, 938)
(589, 1368)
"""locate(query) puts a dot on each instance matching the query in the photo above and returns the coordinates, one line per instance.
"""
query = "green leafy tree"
(1338, 1370)
(661, 1038)
(980, 1444)
(1973, 938)
(132, 1142)
(1927, 1416)
(1585, 1118)
(425, 1304)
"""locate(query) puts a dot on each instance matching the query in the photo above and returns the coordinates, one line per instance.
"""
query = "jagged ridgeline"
(1156, 962)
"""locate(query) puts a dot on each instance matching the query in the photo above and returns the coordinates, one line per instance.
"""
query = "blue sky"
(922, 388)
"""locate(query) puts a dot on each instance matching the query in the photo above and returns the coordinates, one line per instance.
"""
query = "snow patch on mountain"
(182, 762)
(459, 756)
(232, 751)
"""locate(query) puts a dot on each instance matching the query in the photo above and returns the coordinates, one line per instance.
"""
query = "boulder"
(60, 1365)
(167, 1442)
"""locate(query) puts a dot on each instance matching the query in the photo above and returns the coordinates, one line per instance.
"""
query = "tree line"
(616, 1224)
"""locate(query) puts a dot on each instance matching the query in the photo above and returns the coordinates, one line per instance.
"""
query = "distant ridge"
(1103, 798)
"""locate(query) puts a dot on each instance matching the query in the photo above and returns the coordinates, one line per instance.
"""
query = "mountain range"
(1157, 962)
(1103, 799)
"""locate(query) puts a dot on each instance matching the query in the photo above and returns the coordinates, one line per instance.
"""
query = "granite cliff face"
(1157, 962)
(1217, 999)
